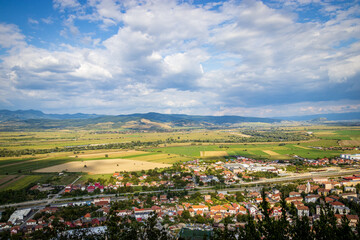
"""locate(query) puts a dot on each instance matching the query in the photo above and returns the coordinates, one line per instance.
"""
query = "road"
(240, 187)
(61, 192)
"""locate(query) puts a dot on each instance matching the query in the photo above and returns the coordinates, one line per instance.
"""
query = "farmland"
(269, 151)
(104, 166)
(68, 151)
(23, 182)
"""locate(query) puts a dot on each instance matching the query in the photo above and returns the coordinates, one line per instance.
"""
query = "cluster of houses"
(231, 171)
(23, 221)
(319, 191)
(326, 161)
(202, 173)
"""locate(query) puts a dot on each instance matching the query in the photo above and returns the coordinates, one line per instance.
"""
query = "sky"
(247, 58)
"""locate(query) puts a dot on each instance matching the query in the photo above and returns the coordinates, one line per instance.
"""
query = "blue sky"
(248, 58)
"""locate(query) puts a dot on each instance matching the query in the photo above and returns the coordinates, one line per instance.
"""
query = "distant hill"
(33, 119)
(7, 115)
(329, 117)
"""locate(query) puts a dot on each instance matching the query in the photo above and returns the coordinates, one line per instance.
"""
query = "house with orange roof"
(298, 203)
(339, 208)
(87, 216)
(293, 199)
(349, 195)
(186, 206)
(311, 198)
(115, 175)
(218, 208)
(294, 194)
(209, 201)
(303, 211)
(202, 208)
(242, 210)
(323, 191)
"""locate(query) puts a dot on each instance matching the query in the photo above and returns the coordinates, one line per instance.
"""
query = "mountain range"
(34, 119)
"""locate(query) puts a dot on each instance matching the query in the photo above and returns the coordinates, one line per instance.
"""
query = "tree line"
(285, 227)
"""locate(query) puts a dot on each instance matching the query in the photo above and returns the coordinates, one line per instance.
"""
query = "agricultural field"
(29, 166)
(110, 154)
(22, 182)
(213, 153)
(104, 166)
(178, 146)
(262, 151)
(65, 138)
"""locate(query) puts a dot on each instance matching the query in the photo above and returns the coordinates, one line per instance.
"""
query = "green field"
(177, 146)
(63, 138)
(29, 166)
(23, 182)
(254, 150)
(7, 161)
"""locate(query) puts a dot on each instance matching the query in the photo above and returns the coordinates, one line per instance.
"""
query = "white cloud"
(63, 4)
(10, 36)
(168, 56)
(33, 21)
(47, 20)
(296, 109)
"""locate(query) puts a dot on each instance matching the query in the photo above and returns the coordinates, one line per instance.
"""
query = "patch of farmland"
(7, 161)
(303, 147)
(22, 182)
(310, 153)
(6, 178)
(349, 143)
(271, 153)
(192, 151)
(104, 166)
(213, 153)
(9, 183)
(161, 158)
(110, 154)
(240, 134)
(29, 166)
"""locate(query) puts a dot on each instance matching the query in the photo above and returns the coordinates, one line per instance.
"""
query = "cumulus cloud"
(10, 36)
(239, 58)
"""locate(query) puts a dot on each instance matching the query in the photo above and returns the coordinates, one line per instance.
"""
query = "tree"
(153, 230)
(345, 231)
(251, 231)
(239, 197)
(301, 229)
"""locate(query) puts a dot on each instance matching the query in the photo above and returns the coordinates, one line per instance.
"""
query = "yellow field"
(104, 166)
(271, 153)
(110, 154)
(349, 143)
(213, 153)
(303, 147)
(240, 134)
(161, 158)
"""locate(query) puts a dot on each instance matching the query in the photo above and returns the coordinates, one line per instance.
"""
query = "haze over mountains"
(34, 119)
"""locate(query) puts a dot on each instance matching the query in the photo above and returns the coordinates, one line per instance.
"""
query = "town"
(196, 197)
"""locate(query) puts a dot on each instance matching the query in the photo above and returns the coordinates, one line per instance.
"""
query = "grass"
(327, 136)
(160, 158)
(7, 161)
(52, 139)
(256, 150)
(85, 178)
(23, 182)
(28, 167)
